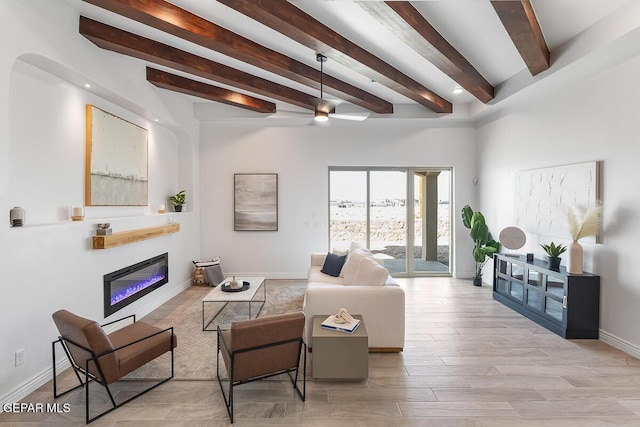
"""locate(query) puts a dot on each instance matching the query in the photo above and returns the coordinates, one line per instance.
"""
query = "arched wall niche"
(47, 143)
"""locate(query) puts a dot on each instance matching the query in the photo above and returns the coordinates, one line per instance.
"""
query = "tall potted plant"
(483, 244)
(178, 200)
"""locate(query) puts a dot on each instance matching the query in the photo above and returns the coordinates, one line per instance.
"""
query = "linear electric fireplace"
(129, 284)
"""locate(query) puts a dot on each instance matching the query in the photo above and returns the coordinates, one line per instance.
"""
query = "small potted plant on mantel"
(554, 251)
(178, 200)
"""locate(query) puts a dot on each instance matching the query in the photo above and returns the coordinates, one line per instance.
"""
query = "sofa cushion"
(333, 264)
(370, 272)
(351, 265)
(317, 276)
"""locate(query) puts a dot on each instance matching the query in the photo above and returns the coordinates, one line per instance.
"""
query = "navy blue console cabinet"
(567, 304)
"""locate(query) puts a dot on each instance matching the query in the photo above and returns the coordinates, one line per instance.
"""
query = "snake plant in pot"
(553, 252)
(483, 244)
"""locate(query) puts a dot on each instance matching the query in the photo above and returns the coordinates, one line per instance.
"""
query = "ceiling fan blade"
(354, 117)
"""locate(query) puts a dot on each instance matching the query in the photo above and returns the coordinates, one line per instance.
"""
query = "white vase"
(575, 258)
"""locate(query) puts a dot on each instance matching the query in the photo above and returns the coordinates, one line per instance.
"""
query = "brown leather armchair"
(261, 348)
(106, 358)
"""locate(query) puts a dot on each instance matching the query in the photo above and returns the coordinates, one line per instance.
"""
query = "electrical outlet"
(19, 357)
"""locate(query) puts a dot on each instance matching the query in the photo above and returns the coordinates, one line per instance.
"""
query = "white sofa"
(382, 307)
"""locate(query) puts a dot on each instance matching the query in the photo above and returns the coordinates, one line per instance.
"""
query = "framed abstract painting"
(255, 202)
(116, 170)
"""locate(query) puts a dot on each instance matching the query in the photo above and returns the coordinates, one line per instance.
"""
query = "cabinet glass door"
(534, 299)
(517, 271)
(555, 286)
(503, 267)
(502, 286)
(517, 291)
(535, 279)
(554, 309)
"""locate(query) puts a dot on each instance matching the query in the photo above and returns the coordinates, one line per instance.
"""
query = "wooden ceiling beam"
(180, 84)
(519, 19)
(410, 26)
(287, 19)
(181, 23)
(120, 41)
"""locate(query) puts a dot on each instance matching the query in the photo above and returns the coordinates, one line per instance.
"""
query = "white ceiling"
(471, 26)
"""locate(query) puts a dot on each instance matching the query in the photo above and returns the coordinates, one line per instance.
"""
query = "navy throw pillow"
(333, 264)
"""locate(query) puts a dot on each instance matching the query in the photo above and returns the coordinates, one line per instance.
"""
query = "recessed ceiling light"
(87, 85)
(156, 120)
(457, 90)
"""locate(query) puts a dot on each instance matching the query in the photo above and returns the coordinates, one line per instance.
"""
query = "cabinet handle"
(564, 301)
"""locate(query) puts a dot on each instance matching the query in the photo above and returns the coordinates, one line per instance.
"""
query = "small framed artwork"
(255, 202)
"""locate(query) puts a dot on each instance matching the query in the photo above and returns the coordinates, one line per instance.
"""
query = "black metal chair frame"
(228, 397)
(88, 376)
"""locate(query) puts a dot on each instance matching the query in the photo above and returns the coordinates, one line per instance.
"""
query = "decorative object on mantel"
(582, 223)
(16, 217)
(178, 200)
(103, 229)
(162, 208)
(483, 244)
(554, 251)
(77, 213)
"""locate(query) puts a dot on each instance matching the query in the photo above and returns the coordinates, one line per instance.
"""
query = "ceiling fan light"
(352, 117)
(321, 116)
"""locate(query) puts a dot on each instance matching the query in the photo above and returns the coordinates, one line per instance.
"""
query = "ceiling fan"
(324, 110)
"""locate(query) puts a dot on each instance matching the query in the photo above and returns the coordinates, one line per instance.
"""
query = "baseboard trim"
(272, 276)
(33, 383)
(620, 344)
(385, 349)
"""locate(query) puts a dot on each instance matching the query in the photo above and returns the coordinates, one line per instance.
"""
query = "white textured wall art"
(542, 196)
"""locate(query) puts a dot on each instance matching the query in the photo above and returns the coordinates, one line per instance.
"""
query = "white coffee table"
(217, 295)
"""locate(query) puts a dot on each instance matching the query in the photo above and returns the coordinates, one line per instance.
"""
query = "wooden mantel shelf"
(132, 236)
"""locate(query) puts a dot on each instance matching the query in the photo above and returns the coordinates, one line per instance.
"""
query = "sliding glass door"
(431, 221)
(401, 214)
(388, 217)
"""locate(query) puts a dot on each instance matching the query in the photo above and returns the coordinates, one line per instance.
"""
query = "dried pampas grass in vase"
(582, 223)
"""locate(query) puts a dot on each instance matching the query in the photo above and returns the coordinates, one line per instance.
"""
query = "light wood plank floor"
(468, 361)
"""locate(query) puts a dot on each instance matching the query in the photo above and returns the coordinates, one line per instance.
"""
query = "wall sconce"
(16, 217)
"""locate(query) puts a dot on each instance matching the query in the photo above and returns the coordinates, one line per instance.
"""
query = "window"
(394, 212)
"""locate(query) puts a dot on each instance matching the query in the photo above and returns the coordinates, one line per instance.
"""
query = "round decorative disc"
(512, 238)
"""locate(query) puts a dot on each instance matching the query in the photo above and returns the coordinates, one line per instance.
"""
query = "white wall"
(49, 264)
(301, 157)
(595, 118)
